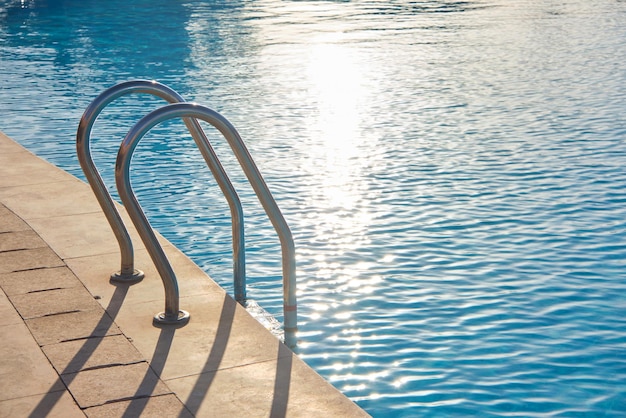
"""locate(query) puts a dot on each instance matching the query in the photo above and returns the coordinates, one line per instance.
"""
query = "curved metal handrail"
(127, 271)
(172, 313)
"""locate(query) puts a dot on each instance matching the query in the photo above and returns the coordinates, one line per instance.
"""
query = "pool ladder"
(191, 113)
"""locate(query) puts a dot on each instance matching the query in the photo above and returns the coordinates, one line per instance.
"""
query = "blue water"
(454, 174)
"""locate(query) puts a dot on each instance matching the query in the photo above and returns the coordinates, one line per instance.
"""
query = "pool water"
(454, 173)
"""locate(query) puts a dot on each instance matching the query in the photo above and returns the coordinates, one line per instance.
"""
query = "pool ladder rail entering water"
(190, 113)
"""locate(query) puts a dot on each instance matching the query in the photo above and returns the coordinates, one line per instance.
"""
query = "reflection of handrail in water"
(127, 271)
(172, 313)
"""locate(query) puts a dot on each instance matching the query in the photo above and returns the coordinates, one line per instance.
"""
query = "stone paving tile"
(152, 407)
(99, 386)
(20, 240)
(11, 261)
(206, 343)
(50, 302)
(24, 369)
(71, 326)
(94, 272)
(32, 201)
(285, 387)
(61, 405)
(74, 356)
(80, 235)
(9, 222)
(21, 282)
(8, 314)
(30, 169)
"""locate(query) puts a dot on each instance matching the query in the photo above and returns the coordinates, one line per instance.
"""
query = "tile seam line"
(114, 401)
(106, 366)
(44, 182)
(28, 220)
(64, 261)
(72, 178)
(238, 366)
(126, 399)
(36, 394)
(36, 218)
(22, 249)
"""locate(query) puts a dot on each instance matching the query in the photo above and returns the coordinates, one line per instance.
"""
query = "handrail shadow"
(222, 335)
(282, 380)
(84, 353)
(156, 364)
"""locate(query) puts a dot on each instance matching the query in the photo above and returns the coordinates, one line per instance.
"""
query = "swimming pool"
(453, 173)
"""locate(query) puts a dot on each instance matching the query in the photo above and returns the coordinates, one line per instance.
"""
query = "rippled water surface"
(453, 173)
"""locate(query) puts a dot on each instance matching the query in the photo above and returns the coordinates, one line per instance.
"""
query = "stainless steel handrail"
(172, 313)
(127, 271)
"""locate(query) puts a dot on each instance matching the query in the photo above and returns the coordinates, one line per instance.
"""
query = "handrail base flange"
(135, 277)
(162, 319)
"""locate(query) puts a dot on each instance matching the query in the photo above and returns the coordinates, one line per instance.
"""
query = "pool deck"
(76, 345)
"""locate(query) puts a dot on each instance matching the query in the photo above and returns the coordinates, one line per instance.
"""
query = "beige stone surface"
(285, 387)
(71, 326)
(95, 271)
(74, 356)
(28, 281)
(207, 343)
(20, 240)
(78, 235)
(8, 314)
(84, 235)
(9, 222)
(51, 405)
(30, 170)
(153, 407)
(28, 259)
(33, 201)
(56, 301)
(100, 386)
(24, 369)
